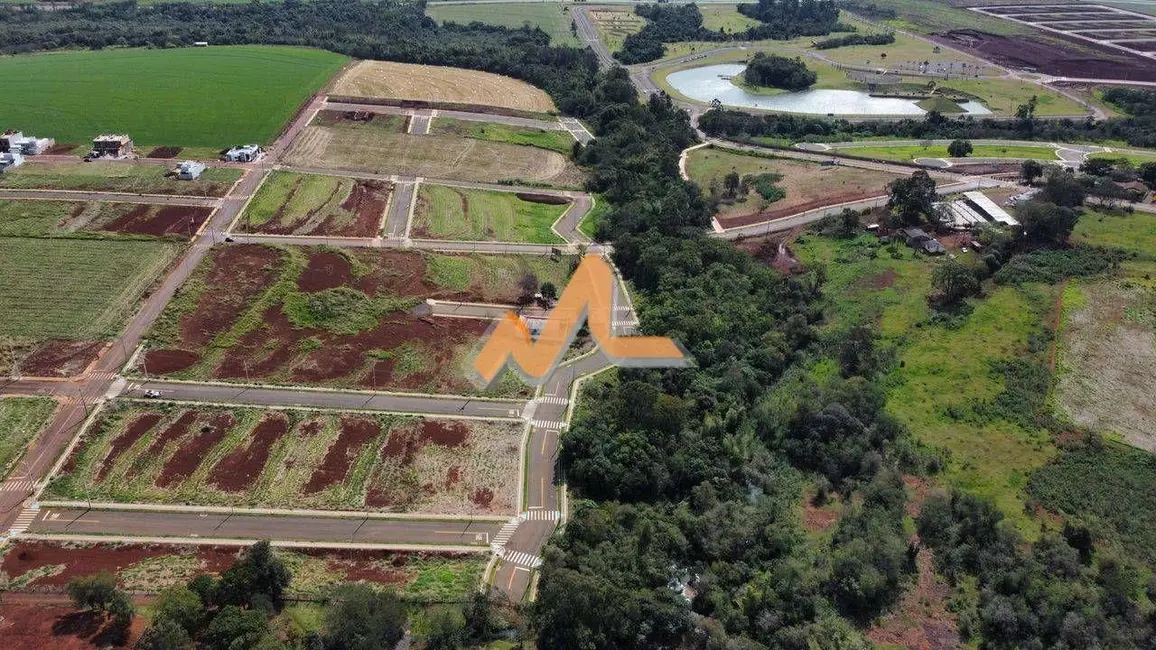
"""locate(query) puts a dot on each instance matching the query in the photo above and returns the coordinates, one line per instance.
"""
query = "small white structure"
(10, 159)
(245, 153)
(201, 44)
(190, 170)
(17, 142)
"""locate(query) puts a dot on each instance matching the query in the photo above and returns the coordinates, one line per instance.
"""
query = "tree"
(445, 629)
(1027, 111)
(779, 72)
(549, 291)
(1030, 170)
(1096, 166)
(1064, 189)
(479, 617)
(359, 618)
(959, 148)
(1148, 174)
(731, 184)
(1046, 223)
(912, 199)
(181, 605)
(954, 281)
(96, 592)
(164, 634)
(259, 572)
(234, 628)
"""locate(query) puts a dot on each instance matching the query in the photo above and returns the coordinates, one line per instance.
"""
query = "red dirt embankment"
(325, 270)
(240, 468)
(164, 361)
(40, 627)
(355, 433)
(56, 358)
(779, 213)
(164, 152)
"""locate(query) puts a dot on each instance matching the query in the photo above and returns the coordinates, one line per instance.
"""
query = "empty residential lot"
(380, 149)
(1114, 27)
(445, 212)
(294, 459)
(117, 177)
(442, 85)
(37, 218)
(311, 204)
(336, 317)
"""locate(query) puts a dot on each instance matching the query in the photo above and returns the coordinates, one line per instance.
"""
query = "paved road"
(112, 197)
(83, 521)
(484, 248)
(588, 33)
(401, 205)
(341, 400)
(419, 122)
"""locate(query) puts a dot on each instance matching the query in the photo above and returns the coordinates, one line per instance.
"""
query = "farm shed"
(112, 146)
(190, 170)
(243, 153)
(921, 241)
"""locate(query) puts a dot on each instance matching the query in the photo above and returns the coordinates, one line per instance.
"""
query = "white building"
(974, 209)
(190, 170)
(245, 153)
(17, 142)
(10, 159)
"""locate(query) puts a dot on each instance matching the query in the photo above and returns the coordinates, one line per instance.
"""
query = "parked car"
(152, 394)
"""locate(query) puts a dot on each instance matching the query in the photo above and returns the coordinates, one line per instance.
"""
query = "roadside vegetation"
(21, 418)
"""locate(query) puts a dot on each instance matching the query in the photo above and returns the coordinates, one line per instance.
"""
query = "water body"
(712, 82)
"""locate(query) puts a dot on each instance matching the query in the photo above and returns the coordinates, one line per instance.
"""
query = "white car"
(152, 394)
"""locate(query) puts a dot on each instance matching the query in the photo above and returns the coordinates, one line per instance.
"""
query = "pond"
(712, 82)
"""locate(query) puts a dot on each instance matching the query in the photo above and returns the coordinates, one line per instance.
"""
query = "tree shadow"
(93, 627)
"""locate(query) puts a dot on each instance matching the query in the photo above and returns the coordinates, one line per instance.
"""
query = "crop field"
(913, 152)
(807, 185)
(310, 204)
(21, 418)
(552, 18)
(365, 147)
(438, 84)
(255, 458)
(444, 212)
(196, 97)
(117, 177)
(35, 218)
(614, 25)
(72, 288)
(151, 568)
(554, 140)
(319, 316)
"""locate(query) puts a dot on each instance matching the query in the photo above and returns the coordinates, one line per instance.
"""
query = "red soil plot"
(403, 446)
(366, 201)
(164, 152)
(355, 433)
(326, 270)
(1094, 62)
(169, 220)
(174, 431)
(43, 627)
(240, 468)
(239, 273)
(86, 560)
(185, 461)
(164, 361)
(58, 358)
(139, 426)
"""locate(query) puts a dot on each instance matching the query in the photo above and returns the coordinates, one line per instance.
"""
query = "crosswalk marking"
(543, 515)
(547, 424)
(23, 521)
(554, 399)
(17, 485)
(505, 533)
(522, 559)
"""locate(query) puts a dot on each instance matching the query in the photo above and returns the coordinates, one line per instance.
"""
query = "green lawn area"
(590, 222)
(725, 17)
(198, 97)
(445, 212)
(21, 418)
(554, 140)
(118, 177)
(929, 16)
(1135, 232)
(1005, 95)
(1136, 159)
(911, 152)
(74, 288)
(552, 17)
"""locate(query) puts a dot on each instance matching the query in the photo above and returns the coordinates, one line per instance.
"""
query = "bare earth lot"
(428, 83)
(319, 316)
(366, 147)
(255, 458)
(311, 204)
(35, 218)
(807, 185)
(150, 568)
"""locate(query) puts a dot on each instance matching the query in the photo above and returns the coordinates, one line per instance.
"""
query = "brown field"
(246, 315)
(255, 458)
(38, 218)
(1109, 359)
(45, 567)
(366, 147)
(1077, 58)
(807, 185)
(310, 204)
(427, 83)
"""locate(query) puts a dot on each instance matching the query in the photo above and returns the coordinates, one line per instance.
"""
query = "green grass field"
(289, 203)
(726, 18)
(911, 152)
(589, 225)
(552, 17)
(1136, 159)
(37, 218)
(445, 212)
(21, 418)
(199, 97)
(1134, 232)
(73, 288)
(118, 177)
(554, 140)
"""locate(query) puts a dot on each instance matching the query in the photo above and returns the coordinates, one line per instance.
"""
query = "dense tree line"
(776, 71)
(780, 20)
(1133, 101)
(884, 38)
(1139, 130)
